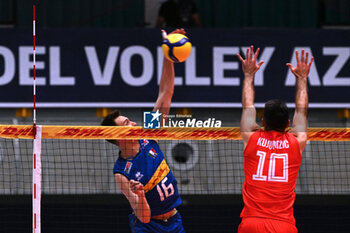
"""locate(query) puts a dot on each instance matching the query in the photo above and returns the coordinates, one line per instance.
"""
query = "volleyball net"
(68, 180)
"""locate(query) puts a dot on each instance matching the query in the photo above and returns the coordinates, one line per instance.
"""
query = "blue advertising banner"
(122, 67)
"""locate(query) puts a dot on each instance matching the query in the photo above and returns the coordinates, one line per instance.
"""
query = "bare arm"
(166, 86)
(248, 119)
(133, 191)
(301, 72)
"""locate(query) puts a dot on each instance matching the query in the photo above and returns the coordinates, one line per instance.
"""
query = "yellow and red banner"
(328, 134)
(171, 133)
(161, 172)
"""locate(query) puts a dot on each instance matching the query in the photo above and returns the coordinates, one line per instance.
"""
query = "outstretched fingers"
(179, 31)
(257, 54)
(250, 65)
(312, 59)
(239, 57)
(260, 63)
(251, 52)
(297, 56)
(164, 34)
(292, 69)
(304, 58)
(302, 55)
(302, 68)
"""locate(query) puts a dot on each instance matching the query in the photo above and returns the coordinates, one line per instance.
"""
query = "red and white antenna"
(36, 188)
(34, 81)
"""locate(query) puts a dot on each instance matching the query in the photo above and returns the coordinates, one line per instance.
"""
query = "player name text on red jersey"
(273, 144)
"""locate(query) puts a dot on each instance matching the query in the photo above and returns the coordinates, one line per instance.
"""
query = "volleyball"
(176, 47)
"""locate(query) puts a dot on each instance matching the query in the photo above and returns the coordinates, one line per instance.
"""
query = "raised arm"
(301, 72)
(166, 86)
(134, 192)
(248, 119)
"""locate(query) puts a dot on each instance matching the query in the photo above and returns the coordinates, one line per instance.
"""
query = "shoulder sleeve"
(252, 139)
(292, 138)
(294, 142)
(254, 136)
(153, 141)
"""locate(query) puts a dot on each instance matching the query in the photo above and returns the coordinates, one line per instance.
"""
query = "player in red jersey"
(272, 156)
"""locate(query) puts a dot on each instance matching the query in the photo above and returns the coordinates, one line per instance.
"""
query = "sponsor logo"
(151, 120)
(193, 123)
(138, 176)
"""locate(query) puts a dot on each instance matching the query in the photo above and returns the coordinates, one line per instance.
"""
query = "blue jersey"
(150, 168)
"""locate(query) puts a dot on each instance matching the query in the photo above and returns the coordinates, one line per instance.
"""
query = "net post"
(36, 189)
(36, 178)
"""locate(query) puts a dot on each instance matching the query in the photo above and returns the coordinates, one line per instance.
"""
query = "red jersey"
(271, 164)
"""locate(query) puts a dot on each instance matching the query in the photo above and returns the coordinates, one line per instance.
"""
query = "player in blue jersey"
(141, 172)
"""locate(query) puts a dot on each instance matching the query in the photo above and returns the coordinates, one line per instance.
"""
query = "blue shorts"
(173, 225)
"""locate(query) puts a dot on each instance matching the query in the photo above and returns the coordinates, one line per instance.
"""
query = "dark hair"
(109, 120)
(276, 115)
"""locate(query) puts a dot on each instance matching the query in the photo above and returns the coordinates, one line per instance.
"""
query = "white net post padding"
(36, 193)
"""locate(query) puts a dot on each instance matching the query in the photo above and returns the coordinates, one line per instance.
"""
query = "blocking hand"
(302, 68)
(179, 31)
(249, 65)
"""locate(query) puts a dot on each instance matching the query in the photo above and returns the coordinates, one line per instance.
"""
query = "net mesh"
(79, 193)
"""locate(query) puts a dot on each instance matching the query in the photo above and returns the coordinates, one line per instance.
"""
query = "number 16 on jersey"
(165, 191)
